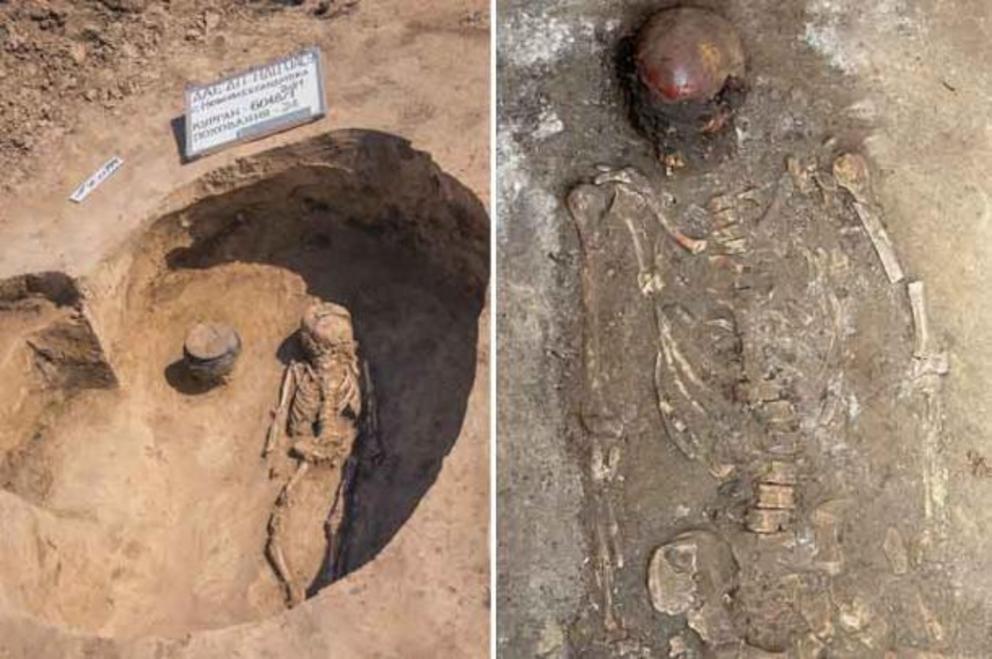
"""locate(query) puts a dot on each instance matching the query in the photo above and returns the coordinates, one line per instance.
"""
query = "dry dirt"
(134, 502)
(643, 362)
(60, 57)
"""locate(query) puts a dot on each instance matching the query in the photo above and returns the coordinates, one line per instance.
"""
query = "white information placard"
(263, 100)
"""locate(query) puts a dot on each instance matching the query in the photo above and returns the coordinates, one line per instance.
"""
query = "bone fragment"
(933, 364)
(852, 174)
(278, 425)
(881, 241)
(604, 463)
(294, 595)
(827, 521)
(921, 323)
(767, 521)
(800, 174)
(649, 281)
(771, 496)
(780, 472)
(287, 491)
(693, 575)
(638, 184)
(927, 359)
(605, 573)
(307, 399)
(335, 517)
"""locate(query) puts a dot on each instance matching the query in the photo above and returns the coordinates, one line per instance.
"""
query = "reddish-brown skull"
(687, 54)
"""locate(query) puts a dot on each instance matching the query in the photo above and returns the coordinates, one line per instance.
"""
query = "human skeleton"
(320, 403)
(735, 372)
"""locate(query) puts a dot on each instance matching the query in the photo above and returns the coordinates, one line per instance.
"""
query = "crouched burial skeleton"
(319, 406)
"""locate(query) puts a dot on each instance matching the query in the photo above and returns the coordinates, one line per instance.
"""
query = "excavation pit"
(135, 499)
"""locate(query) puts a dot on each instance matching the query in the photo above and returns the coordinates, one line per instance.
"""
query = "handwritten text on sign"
(89, 185)
(264, 100)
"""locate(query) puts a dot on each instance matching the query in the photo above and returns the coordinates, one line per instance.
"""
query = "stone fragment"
(211, 20)
(77, 51)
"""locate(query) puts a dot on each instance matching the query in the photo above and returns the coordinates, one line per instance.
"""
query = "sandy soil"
(136, 507)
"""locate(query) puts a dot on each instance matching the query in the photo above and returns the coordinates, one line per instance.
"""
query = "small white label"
(263, 100)
(98, 177)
